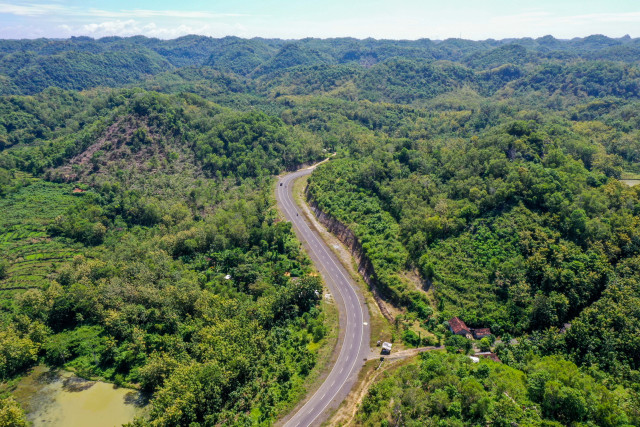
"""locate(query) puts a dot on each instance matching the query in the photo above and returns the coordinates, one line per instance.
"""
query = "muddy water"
(631, 182)
(60, 399)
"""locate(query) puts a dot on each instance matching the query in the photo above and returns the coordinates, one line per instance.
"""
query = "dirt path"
(373, 369)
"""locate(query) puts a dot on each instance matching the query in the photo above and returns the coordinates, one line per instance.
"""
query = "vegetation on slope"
(179, 270)
(448, 389)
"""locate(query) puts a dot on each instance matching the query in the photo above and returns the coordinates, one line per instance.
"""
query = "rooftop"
(457, 325)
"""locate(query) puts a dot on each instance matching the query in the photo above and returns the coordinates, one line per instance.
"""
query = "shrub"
(4, 267)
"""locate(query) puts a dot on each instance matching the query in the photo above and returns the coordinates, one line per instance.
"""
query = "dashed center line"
(314, 407)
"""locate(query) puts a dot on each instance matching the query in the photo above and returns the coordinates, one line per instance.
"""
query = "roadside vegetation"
(448, 389)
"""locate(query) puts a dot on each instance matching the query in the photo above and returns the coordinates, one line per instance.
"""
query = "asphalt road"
(354, 315)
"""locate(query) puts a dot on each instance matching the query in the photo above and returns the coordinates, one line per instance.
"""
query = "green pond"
(59, 398)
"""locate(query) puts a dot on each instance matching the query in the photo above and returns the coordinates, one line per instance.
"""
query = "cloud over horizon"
(410, 19)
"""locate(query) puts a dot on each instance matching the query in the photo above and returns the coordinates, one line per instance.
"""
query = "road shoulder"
(327, 353)
(380, 328)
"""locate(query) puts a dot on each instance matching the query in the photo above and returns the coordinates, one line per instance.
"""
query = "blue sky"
(399, 19)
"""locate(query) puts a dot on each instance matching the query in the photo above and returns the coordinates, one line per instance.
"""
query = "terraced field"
(33, 254)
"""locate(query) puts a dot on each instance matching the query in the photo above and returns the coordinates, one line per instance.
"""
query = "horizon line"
(80, 36)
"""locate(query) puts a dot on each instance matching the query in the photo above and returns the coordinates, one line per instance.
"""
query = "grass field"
(33, 254)
(629, 175)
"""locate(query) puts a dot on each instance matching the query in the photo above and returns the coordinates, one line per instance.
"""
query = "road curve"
(354, 316)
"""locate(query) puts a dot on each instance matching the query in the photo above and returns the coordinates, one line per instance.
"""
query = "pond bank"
(60, 398)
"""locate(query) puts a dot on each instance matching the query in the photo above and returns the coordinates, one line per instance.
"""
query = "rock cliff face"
(346, 236)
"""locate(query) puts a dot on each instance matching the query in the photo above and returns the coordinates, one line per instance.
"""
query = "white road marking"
(314, 242)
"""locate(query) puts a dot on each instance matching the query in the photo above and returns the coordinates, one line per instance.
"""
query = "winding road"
(354, 334)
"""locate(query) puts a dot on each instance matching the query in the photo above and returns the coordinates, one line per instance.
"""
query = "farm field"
(30, 251)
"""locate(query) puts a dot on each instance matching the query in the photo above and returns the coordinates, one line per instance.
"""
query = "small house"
(489, 355)
(458, 327)
(481, 333)
(386, 348)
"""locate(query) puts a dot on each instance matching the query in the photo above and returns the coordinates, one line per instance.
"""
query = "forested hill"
(140, 245)
(29, 66)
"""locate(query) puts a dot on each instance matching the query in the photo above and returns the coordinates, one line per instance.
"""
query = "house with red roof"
(481, 333)
(489, 355)
(458, 327)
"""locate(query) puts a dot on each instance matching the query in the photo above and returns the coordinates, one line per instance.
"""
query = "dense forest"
(152, 253)
(485, 180)
(448, 389)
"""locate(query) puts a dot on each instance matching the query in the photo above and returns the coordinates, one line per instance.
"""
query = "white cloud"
(147, 13)
(45, 9)
(30, 10)
(131, 27)
(547, 20)
(605, 17)
(39, 19)
(111, 28)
